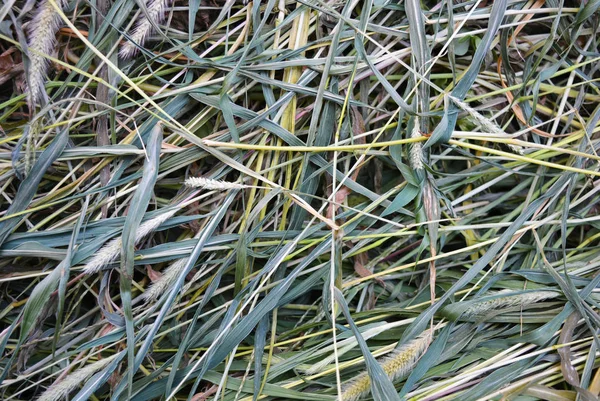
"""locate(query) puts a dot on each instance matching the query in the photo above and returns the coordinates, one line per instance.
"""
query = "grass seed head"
(485, 123)
(482, 308)
(502, 300)
(144, 27)
(396, 365)
(111, 251)
(416, 148)
(59, 390)
(164, 283)
(210, 184)
(42, 42)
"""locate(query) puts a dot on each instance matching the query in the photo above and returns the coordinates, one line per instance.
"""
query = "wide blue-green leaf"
(137, 209)
(29, 186)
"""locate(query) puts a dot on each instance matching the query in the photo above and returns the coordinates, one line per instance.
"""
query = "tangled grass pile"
(313, 200)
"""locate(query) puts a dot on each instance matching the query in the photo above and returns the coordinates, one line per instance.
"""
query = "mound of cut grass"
(313, 200)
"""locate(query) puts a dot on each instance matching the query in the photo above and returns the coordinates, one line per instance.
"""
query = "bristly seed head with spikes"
(154, 15)
(396, 365)
(41, 44)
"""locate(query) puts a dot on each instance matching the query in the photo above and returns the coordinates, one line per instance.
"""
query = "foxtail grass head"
(165, 281)
(41, 44)
(492, 305)
(416, 148)
(399, 363)
(485, 123)
(210, 184)
(59, 390)
(154, 15)
(109, 252)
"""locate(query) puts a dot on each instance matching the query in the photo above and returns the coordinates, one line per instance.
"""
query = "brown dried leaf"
(360, 261)
(204, 395)
(153, 274)
(9, 67)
